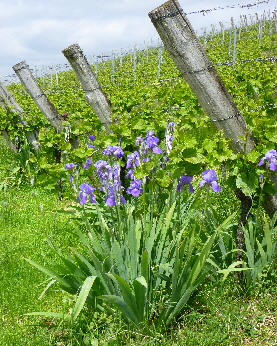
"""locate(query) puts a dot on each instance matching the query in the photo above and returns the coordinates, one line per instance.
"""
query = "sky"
(38, 30)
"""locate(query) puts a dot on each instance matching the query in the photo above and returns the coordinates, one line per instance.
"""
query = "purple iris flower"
(103, 170)
(150, 133)
(133, 160)
(130, 174)
(111, 198)
(183, 180)
(111, 201)
(87, 164)
(91, 137)
(171, 125)
(110, 180)
(148, 144)
(209, 178)
(113, 150)
(152, 142)
(135, 188)
(70, 166)
(270, 159)
(139, 141)
(86, 192)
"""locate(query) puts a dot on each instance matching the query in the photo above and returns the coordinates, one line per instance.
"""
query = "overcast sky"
(38, 30)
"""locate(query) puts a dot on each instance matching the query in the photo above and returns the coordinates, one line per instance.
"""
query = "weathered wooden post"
(6, 100)
(45, 106)
(95, 97)
(222, 31)
(275, 20)
(186, 51)
(10, 143)
(41, 100)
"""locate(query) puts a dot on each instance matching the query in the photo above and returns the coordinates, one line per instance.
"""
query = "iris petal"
(215, 186)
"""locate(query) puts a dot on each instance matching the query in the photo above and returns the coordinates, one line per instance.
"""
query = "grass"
(220, 314)
(26, 221)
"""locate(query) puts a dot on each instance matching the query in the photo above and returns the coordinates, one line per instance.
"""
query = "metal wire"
(228, 6)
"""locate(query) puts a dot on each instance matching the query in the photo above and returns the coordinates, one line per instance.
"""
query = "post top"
(170, 8)
(72, 47)
(20, 65)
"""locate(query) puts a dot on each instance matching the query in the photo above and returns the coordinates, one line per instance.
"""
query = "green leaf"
(248, 183)
(53, 275)
(253, 156)
(268, 241)
(140, 288)
(118, 258)
(46, 288)
(50, 314)
(122, 305)
(145, 266)
(202, 258)
(232, 268)
(126, 291)
(82, 296)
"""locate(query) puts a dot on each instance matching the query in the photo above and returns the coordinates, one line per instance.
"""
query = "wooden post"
(135, 62)
(9, 141)
(245, 19)
(120, 57)
(6, 100)
(38, 96)
(275, 20)
(146, 48)
(95, 97)
(222, 30)
(160, 59)
(180, 40)
(204, 37)
(235, 45)
(113, 65)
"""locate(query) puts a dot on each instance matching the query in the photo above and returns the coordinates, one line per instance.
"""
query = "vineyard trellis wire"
(216, 64)
(265, 18)
(77, 87)
(204, 66)
(53, 70)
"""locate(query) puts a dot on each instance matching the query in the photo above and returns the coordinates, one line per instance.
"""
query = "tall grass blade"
(82, 296)
(67, 287)
(46, 288)
(231, 269)
(50, 314)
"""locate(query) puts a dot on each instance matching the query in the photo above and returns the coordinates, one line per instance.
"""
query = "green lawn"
(26, 221)
(218, 315)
